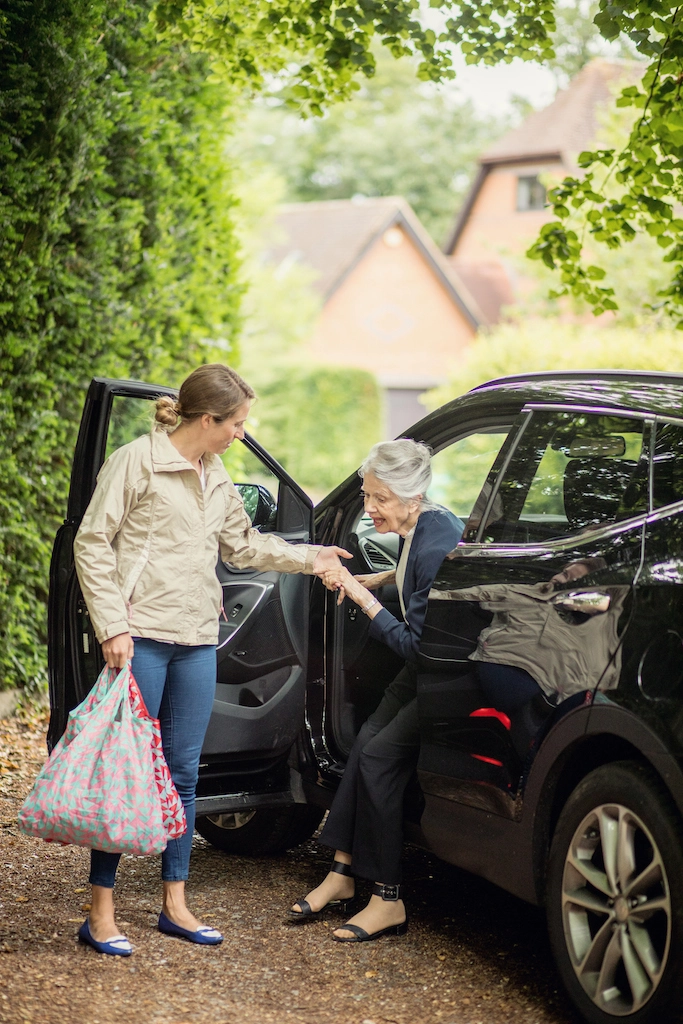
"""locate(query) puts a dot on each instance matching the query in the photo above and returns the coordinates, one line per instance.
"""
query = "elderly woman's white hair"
(404, 466)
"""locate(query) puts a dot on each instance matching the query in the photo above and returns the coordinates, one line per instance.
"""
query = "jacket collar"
(167, 459)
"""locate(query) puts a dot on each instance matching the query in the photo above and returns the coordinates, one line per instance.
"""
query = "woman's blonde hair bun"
(167, 413)
(213, 389)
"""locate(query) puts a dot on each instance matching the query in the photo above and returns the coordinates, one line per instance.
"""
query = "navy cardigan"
(437, 532)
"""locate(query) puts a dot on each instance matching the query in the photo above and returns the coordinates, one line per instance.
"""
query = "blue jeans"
(506, 687)
(178, 685)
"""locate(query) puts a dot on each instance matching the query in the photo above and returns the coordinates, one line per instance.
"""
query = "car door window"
(570, 472)
(667, 465)
(257, 484)
(459, 471)
(130, 418)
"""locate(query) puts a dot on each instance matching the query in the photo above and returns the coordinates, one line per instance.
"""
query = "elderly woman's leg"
(340, 828)
(338, 833)
(386, 764)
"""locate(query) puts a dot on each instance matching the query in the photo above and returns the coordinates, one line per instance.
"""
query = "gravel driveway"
(472, 953)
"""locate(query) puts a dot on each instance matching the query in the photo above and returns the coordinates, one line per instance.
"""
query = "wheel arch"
(610, 734)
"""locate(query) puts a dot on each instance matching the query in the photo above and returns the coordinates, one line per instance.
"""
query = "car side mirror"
(259, 504)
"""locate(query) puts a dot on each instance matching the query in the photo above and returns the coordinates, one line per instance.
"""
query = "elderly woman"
(364, 826)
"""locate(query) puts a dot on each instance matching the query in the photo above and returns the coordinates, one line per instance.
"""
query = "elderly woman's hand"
(342, 580)
(333, 580)
(374, 580)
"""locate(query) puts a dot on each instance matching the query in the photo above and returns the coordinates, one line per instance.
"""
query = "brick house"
(505, 207)
(392, 303)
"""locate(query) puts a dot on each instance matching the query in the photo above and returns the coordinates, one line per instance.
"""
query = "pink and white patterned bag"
(106, 784)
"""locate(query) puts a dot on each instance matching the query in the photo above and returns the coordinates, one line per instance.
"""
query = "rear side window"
(571, 472)
(459, 472)
(667, 465)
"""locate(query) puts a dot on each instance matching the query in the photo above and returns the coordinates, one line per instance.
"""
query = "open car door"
(262, 648)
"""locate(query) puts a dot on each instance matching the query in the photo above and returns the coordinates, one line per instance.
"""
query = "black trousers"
(366, 817)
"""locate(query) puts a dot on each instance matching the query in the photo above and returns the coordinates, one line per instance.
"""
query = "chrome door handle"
(589, 602)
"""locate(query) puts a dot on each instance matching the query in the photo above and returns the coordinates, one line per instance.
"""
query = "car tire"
(614, 897)
(257, 833)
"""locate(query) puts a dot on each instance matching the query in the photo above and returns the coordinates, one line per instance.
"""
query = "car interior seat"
(594, 490)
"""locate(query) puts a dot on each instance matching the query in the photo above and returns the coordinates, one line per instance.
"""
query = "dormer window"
(530, 193)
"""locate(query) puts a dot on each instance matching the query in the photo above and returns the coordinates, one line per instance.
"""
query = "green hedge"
(117, 254)
(319, 423)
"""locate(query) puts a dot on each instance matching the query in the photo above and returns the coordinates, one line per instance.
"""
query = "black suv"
(571, 566)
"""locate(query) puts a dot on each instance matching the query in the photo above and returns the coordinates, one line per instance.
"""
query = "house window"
(530, 193)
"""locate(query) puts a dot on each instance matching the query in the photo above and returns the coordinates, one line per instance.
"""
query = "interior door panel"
(240, 602)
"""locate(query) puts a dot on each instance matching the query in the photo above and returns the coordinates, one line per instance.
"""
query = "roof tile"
(569, 124)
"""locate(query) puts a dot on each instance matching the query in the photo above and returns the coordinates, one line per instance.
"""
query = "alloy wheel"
(616, 909)
(232, 820)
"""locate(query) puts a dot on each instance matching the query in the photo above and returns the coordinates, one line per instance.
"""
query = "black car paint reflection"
(568, 637)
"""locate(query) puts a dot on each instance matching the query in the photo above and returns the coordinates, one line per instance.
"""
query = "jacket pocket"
(135, 573)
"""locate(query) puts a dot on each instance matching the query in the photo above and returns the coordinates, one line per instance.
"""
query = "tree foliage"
(316, 48)
(337, 410)
(646, 172)
(397, 136)
(577, 40)
(116, 254)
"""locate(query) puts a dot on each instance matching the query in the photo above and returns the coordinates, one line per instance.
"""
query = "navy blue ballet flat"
(118, 945)
(202, 936)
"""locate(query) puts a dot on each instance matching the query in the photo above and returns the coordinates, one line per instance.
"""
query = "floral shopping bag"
(102, 786)
(172, 810)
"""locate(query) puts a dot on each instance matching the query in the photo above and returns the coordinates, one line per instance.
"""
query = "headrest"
(594, 490)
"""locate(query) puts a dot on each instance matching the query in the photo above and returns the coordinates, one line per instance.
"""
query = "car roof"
(639, 390)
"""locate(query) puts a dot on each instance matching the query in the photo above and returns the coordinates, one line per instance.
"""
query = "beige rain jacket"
(147, 548)
(527, 632)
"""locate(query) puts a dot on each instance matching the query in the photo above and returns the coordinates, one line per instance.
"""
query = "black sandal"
(307, 914)
(387, 892)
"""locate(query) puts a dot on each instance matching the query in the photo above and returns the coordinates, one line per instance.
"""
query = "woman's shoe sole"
(360, 934)
(340, 906)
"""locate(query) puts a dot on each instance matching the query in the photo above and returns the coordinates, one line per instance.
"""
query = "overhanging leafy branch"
(318, 47)
(647, 170)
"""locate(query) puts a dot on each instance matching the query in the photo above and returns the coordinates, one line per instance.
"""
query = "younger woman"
(146, 557)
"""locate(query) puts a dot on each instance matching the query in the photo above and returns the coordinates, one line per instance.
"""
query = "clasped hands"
(347, 585)
(337, 576)
(118, 650)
